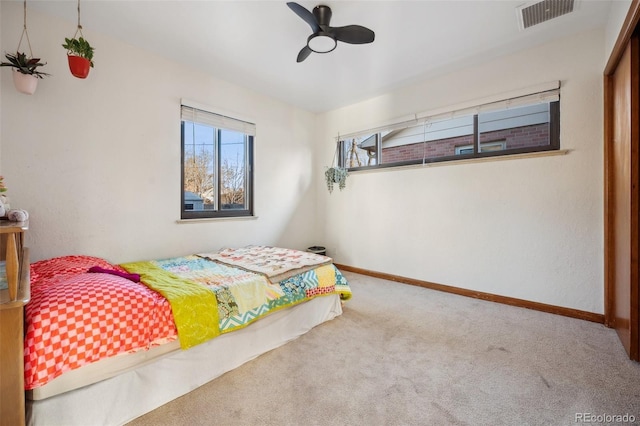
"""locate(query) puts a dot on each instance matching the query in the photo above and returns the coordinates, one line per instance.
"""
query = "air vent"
(531, 14)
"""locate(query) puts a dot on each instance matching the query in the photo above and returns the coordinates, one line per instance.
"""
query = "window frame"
(249, 187)
(554, 145)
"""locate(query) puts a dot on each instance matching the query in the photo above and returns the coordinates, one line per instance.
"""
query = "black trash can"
(317, 250)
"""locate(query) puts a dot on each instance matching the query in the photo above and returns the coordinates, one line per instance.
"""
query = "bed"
(107, 343)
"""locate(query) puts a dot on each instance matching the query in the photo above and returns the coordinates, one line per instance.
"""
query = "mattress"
(127, 394)
(100, 370)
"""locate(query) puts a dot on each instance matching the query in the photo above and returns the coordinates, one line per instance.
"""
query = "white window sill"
(468, 161)
(215, 219)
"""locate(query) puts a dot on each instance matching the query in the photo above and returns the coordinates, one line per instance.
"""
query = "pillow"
(53, 270)
(131, 277)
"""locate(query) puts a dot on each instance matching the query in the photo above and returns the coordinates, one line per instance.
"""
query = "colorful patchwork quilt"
(276, 263)
(243, 296)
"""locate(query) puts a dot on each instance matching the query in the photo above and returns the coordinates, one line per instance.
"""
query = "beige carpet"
(405, 355)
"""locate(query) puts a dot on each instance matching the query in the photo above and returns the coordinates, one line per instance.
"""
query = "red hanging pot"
(79, 66)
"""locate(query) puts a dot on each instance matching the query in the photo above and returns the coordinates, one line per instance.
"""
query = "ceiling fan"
(324, 37)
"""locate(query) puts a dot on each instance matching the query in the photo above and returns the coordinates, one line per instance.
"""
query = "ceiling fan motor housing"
(323, 15)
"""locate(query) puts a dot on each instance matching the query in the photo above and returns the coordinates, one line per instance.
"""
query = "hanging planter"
(79, 52)
(25, 74)
(336, 174)
(79, 66)
(25, 69)
(25, 83)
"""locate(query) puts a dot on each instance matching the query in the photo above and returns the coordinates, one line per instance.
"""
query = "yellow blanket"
(194, 306)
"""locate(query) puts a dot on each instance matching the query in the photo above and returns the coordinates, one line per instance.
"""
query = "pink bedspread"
(75, 317)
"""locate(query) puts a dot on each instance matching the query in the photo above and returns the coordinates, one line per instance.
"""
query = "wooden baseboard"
(543, 307)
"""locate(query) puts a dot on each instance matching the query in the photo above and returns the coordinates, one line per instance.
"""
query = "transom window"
(217, 165)
(529, 123)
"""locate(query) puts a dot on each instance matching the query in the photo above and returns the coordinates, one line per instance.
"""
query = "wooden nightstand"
(13, 298)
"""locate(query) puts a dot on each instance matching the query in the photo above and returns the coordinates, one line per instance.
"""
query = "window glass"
(198, 166)
(360, 151)
(522, 127)
(427, 141)
(233, 170)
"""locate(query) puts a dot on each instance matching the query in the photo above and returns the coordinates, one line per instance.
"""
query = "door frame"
(630, 25)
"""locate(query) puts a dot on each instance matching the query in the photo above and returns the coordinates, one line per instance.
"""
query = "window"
(217, 165)
(484, 147)
(528, 123)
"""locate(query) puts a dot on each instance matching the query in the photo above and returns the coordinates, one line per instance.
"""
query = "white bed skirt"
(122, 398)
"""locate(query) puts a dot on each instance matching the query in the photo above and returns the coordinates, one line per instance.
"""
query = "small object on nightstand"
(17, 215)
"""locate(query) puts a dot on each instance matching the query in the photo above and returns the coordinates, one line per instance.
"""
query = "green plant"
(24, 65)
(79, 47)
(336, 175)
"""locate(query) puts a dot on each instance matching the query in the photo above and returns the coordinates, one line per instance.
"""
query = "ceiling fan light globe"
(321, 43)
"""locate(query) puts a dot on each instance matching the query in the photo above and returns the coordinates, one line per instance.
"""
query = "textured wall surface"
(96, 162)
(527, 228)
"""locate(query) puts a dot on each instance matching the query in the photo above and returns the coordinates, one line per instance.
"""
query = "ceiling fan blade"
(304, 53)
(305, 15)
(353, 34)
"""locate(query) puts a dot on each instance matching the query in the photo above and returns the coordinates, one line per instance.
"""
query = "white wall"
(528, 228)
(96, 162)
(1, 100)
(617, 14)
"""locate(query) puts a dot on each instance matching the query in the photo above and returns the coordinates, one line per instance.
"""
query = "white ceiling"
(255, 43)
